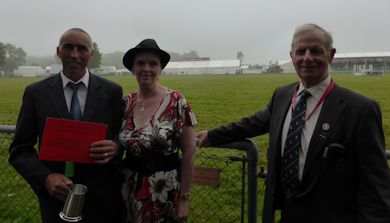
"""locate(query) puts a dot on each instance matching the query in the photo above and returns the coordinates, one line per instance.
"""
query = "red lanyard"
(322, 99)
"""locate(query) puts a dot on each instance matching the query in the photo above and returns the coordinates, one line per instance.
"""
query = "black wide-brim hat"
(145, 46)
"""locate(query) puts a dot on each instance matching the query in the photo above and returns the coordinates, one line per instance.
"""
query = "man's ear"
(332, 53)
(291, 54)
(58, 51)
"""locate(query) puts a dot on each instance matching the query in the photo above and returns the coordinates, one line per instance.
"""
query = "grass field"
(218, 99)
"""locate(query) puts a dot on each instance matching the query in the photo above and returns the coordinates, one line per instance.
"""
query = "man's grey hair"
(300, 30)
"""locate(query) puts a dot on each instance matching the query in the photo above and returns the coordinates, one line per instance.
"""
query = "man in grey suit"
(334, 170)
(99, 101)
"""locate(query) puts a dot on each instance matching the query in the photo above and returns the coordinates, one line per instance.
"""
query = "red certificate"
(70, 140)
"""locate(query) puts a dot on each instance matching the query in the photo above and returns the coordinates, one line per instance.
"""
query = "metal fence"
(236, 195)
(18, 203)
(228, 195)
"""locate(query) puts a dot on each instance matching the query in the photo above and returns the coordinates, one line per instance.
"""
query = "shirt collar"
(84, 79)
(318, 90)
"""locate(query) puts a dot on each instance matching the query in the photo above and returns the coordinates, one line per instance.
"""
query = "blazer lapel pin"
(325, 126)
(324, 131)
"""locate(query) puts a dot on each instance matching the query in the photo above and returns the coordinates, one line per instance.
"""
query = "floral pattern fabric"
(152, 197)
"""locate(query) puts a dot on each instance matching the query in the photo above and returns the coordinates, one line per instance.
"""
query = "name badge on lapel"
(325, 127)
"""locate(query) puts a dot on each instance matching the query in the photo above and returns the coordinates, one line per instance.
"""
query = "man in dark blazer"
(100, 101)
(342, 172)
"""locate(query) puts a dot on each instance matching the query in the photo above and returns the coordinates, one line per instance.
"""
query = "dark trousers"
(50, 209)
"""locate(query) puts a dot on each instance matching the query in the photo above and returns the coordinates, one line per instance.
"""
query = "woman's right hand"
(203, 137)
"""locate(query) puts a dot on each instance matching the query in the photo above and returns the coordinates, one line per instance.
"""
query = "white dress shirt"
(316, 93)
(81, 93)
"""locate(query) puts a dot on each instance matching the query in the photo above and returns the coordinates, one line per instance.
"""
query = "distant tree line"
(185, 56)
(107, 59)
(115, 58)
(97, 58)
(11, 57)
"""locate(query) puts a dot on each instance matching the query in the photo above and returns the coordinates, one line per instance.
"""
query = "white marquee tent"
(203, 67)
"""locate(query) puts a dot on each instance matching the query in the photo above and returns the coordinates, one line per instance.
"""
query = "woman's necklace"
(142, 108)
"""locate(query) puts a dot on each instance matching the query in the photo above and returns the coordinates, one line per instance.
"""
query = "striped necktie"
(290, 159)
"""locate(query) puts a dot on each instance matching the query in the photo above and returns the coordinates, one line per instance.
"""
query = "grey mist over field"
(218, 29)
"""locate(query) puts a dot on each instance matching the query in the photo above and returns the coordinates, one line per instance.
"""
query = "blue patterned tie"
(75, 113)
(75, 109)
(290, 159)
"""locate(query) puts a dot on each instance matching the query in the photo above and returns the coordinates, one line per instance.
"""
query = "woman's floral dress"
(152, 179)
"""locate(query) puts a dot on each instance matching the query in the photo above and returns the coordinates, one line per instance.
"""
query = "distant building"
(369, 62)
(104, 70)
(286, 66)
(197, 59)
(122, 72)
(29, 71)
(203, 66)
(55, 68)
(362, 63)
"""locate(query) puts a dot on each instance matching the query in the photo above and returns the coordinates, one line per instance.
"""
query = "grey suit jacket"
(353, 186)
(46, 99)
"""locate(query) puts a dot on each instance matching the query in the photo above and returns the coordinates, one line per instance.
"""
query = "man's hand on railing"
(201, 138)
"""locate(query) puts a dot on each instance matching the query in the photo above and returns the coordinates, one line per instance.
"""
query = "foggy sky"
(218, 29)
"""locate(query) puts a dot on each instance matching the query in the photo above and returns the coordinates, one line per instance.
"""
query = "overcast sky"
(218, 29)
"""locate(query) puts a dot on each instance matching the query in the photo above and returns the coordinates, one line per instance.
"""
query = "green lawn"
(217, 99)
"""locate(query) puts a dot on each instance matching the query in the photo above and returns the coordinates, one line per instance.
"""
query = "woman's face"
(147, 68)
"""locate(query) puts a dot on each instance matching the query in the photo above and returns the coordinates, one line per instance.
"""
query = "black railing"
(252, 152)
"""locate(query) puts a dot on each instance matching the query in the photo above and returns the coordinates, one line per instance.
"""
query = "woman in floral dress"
(158, 122)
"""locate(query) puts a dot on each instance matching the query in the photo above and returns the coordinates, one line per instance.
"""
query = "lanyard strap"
(322, 99)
